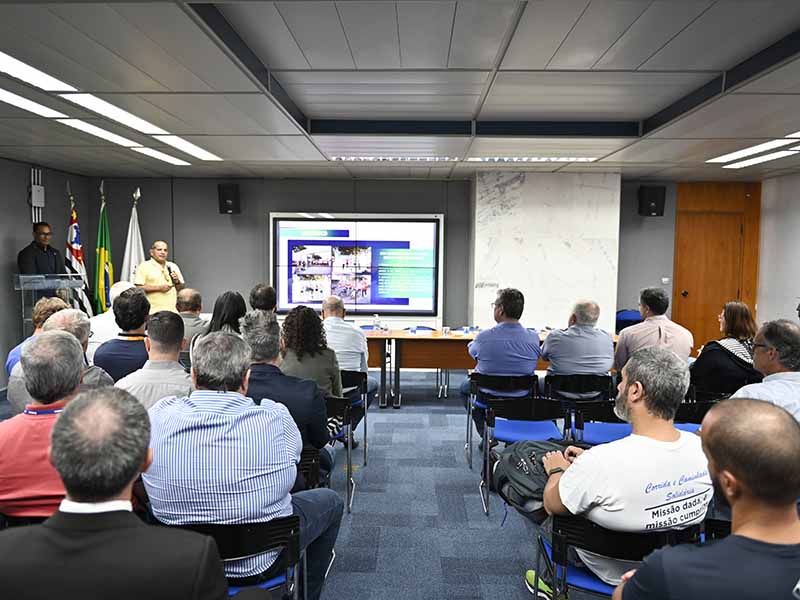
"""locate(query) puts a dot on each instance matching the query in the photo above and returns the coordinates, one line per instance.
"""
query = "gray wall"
(15, 233)
(779, 267)
(223, 252)
(646, 245)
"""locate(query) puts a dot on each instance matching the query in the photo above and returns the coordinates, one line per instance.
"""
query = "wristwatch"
(555, 470)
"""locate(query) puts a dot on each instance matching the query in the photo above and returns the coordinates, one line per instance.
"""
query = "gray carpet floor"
(417, 529)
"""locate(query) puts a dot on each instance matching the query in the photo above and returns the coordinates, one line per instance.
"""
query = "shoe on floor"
(545, 592)
(354, 442)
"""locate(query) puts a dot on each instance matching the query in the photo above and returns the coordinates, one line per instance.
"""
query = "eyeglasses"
(760, 346)
(44, 233)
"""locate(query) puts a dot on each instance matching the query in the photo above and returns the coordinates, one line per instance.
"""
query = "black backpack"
(519, 477)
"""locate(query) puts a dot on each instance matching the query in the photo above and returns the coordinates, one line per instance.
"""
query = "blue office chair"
(358, 380)
(603, 433)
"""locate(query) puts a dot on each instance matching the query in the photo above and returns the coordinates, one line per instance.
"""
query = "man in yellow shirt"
(160, 279)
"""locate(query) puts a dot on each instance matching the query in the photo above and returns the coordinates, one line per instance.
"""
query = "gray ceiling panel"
(363, 145)
(678, 151)
(372, 33)
(265, 32)
(318, 31)
(478, 32)
(258, 147)
(425, 29)
(596, 31)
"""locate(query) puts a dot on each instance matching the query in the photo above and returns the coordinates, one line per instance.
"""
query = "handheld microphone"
(171, 280)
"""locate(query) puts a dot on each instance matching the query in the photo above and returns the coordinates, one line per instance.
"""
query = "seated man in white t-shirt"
(347, 341)
(654, 479)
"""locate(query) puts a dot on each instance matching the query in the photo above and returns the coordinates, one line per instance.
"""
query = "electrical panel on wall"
(36, 199)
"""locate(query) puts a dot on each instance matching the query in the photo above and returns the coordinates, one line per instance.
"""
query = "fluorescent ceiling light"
(99, 132)
(533, 159)
(188, 147)
(108, 110)
(760, 159)
(161, 156)
(19, 70)
(394, 158)
(751, 150)
(307, 215)
(29, 105)
(326, 215)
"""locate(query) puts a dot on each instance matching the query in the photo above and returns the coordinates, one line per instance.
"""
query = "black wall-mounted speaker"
(651, 200)
(229, 199)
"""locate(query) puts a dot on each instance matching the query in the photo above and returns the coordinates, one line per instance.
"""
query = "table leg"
(382, 400)
(396, 359)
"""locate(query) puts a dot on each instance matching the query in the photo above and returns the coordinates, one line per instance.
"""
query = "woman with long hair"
(306, 353)
(726, 364)
(228, 309)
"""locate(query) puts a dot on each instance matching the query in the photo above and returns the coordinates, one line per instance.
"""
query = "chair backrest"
(504, 384)
(240, 541)
(716, 529)
(6, 521)
(343, 409)
(579, 532)
(185, 359)
(693, 412)
(309, 466)
(356, 379)
(556, 385)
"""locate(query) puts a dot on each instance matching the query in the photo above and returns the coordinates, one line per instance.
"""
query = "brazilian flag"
(103, 270)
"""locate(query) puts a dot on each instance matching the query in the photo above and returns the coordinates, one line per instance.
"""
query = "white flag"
(134, 250)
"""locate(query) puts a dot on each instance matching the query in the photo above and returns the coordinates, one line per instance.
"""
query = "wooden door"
(708, 269)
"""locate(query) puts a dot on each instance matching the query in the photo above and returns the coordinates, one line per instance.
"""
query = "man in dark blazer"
(303, 398)
(94, 546)
(39, 257)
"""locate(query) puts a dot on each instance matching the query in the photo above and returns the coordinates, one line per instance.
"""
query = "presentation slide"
(375, 266)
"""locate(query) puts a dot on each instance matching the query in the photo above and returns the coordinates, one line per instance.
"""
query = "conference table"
(424, 349)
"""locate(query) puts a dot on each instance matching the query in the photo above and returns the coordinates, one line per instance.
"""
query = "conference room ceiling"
(469, 63)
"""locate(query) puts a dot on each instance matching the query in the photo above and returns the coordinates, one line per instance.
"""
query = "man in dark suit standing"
(94, 546)
(39, 257)
(303, 398)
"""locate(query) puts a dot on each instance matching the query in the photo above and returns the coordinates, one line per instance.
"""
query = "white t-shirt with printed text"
(637, 484)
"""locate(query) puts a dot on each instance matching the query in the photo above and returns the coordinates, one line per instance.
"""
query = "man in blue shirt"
(505, 349)
(220, 458)
(126, 353)
(582, 348)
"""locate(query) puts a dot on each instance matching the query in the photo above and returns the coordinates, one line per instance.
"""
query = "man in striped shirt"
(220, 458)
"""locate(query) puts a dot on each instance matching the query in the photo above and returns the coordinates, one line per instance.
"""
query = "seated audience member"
(726, 365)
(505, 349)
(190, 305)
(94, 546)
(242, 464)
(127, 353)
(76, 323)
(582, 348)
(306, 353)
(776, 355)
(29, 486)
(617, 485)
(263, 297)
(41, 312)
(302, 397)
(162, 375)
(347, 340)
(104, 325)
(752, 449)
(229, 308)
(655, 331)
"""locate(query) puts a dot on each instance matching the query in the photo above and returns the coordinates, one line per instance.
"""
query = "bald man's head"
(752, 448)
(333, 306)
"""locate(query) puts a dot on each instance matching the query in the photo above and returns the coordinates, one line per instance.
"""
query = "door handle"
(685, 293)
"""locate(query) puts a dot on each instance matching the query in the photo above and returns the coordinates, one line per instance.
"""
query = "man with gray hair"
(242, 464)
(347, 340)
(29, 486)
(632, 484)
(303, 398)
(776, 354)
(94, 546)
(72, 321)
(582, 348)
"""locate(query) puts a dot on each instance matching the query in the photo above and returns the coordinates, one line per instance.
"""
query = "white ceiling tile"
(371, 30)
(660, 22)
(384, 145)
(696, 151)
(595, 32)
(590, 96)
(783, 80)
(263, 29)
(318, 31)
(425, 33)
(167, 25)
(727, 33)
(584, 147)
(543, 27)
(478, 32)
(258, 147)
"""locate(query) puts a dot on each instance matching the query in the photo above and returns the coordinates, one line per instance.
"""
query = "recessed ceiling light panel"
(99, 132)
(531, 159)
(394, 158)
(760, 159)
(745, 152)
(186, 146)
(108, 110)
(161, 156)
(29, 105)
(19, 70)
